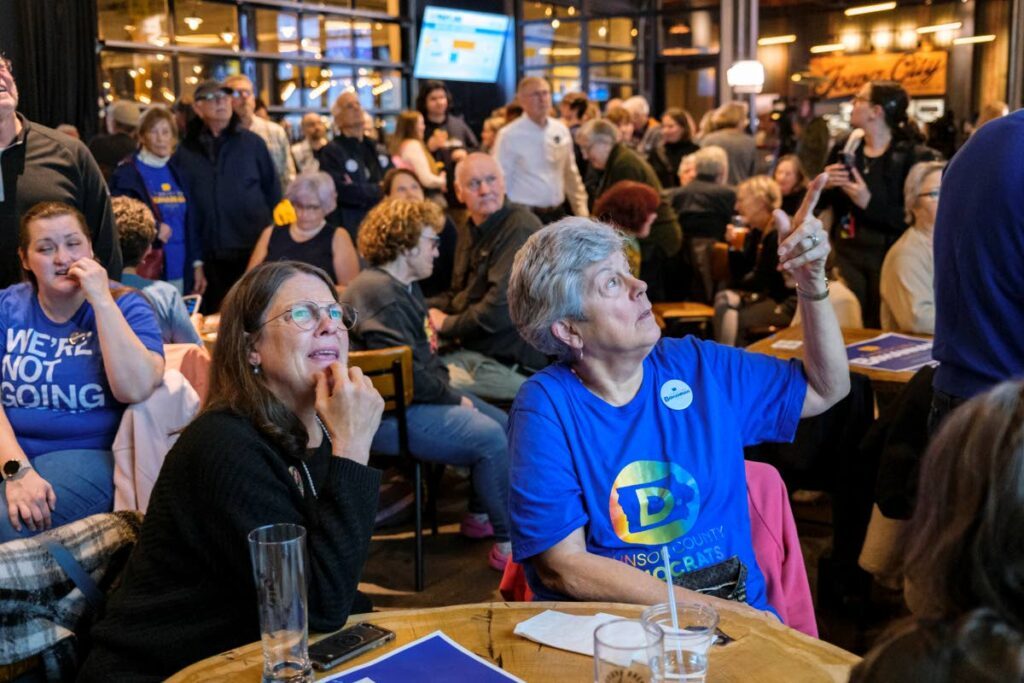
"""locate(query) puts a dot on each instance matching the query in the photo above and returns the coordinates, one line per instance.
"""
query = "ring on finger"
(815, 239)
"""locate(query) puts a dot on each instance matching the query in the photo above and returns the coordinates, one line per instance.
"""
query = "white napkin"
(564, 631)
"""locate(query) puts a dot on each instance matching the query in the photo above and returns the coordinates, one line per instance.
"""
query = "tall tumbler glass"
(627, 650)
(278, 554)
(686, 647)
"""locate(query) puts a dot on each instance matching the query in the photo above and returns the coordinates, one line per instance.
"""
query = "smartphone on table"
(348, 644)
(192, 302)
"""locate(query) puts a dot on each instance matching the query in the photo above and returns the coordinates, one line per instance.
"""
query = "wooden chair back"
(390, 370)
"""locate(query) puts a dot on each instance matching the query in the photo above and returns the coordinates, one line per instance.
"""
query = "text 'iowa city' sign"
(920, 73)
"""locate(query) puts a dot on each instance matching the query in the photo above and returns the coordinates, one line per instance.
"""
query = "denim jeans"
(83, 481)
(454, 435)
(474, 372)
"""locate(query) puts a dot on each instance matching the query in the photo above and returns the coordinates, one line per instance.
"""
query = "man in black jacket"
(356, 163)
(233, 187)
(473, 314)
(38, 164)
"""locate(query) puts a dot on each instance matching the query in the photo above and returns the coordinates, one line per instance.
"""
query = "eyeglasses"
(934, 194)
(241, 92)
(216, 96)
(474, 184)
(433, 239)
(306, 207)
(306, 315)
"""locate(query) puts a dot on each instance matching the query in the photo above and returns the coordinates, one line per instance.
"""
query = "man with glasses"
(39, 164)
(356, 163)
(537, 155)
(488, 357)
(243, 102)
(233, 189)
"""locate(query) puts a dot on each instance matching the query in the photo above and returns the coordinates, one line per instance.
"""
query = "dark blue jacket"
(979, 261)
(127, 182)
(232, 186)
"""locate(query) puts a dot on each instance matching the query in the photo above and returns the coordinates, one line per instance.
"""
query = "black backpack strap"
(75, 571)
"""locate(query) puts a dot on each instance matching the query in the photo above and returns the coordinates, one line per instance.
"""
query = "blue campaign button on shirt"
(676, 394)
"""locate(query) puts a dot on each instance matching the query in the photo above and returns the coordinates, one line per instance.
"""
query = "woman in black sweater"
(284, 436)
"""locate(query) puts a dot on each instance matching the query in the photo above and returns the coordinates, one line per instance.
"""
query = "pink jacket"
(777, 548)
(148, 430)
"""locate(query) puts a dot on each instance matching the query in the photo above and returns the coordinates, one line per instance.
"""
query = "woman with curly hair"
(399, 239)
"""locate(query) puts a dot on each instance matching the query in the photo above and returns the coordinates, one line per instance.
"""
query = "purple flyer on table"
(891, 352)
(436, 658)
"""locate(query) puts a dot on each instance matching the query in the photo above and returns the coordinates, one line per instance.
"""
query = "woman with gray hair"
(908, 272)
(302, 233)
(634, 444)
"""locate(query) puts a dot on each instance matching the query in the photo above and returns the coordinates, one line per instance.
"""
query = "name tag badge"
(351, 166)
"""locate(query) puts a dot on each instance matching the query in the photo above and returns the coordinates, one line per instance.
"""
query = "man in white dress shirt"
(536, 155)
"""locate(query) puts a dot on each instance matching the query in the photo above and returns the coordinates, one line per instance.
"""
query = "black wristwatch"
(14, 469)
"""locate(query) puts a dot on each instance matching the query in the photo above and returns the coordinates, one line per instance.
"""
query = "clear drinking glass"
(278, 554)
(627, 650)
(686, 648)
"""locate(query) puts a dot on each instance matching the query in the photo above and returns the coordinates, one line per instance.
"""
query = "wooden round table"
(764, 650)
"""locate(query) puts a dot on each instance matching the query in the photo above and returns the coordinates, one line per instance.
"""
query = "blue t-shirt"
(664, 469)
(169, 201)
(52, 381)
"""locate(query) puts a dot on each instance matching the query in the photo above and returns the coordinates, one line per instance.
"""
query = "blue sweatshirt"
(979, 261)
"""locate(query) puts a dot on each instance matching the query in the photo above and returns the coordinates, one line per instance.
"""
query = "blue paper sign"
(891, 352)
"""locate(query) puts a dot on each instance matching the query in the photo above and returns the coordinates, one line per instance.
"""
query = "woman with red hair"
(632, 207)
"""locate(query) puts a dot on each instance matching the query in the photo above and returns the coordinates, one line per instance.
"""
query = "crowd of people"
(520, 267)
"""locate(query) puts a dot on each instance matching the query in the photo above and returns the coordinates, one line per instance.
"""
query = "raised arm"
(803, 248)
(259, 252)
(133, 371)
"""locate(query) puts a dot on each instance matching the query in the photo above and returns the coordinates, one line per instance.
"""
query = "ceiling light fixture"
(831, 47)
(951, 26)
(679, 29)
(969, 40)
(868, 9)
(777, 40)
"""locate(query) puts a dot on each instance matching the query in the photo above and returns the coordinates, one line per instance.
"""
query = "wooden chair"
(390, 370)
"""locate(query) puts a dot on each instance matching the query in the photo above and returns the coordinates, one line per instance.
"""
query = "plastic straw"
(671, 589)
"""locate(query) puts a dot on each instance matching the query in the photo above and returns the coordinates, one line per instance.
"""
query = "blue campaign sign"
(444, 659)
(892, 352)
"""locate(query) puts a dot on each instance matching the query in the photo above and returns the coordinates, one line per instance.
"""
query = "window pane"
(278, 84)
(206, 24)
(383, 6)
(547, 45)
(337, 37)
(145, 78)
(378, 40)
(692, 33)
(139, 22)
(379, 90)
(194, 69)
(613, 39)
(549, 10)
(562, 79)
(324, 83)
(277, 32)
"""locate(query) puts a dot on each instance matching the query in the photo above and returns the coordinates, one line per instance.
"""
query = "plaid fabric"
(40, 607)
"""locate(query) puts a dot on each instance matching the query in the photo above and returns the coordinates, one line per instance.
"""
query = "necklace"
(309, 477)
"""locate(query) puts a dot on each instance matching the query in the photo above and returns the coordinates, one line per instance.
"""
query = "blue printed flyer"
(891, 352)
(444, 659)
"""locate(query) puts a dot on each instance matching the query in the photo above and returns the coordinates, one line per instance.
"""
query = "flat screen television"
(459, 45)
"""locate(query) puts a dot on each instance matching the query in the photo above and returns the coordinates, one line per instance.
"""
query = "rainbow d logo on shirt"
(653, 502)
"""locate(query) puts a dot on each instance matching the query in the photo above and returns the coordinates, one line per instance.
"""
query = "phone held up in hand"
(348, 644)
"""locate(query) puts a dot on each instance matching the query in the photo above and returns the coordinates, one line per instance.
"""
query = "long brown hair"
(966, 547)
(234, 386)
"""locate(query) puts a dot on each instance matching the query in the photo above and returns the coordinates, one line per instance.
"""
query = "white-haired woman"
(907, 282)
(633, 443)
(305, 236)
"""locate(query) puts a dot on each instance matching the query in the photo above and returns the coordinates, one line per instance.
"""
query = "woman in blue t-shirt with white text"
(633, 443)
(62, 403)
